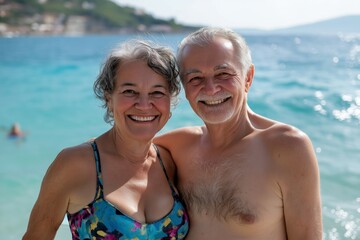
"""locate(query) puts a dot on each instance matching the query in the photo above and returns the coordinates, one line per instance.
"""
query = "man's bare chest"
(233, 186)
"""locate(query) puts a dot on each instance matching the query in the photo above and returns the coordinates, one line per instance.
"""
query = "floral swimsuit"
(101, 220)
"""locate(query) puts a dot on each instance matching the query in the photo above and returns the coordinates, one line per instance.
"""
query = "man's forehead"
(216, 54)
(216, 48)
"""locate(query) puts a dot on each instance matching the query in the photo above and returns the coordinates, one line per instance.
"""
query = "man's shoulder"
(285, 134)
(180, 137)
(289, 146)
(292, 156)
(183, 132)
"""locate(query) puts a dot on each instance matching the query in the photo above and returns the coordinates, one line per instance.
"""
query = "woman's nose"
(143, 102)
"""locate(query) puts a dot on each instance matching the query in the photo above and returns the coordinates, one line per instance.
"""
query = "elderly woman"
(119, 186)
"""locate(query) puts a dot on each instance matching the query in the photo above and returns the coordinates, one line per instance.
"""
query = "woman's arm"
(52, 203)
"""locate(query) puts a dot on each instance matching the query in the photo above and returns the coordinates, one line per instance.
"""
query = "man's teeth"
(142, 119)
(214, 102)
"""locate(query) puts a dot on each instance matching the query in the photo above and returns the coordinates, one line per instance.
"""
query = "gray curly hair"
(160, 59)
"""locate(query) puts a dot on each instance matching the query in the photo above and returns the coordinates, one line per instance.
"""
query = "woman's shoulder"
(74, 160)
(78, 152)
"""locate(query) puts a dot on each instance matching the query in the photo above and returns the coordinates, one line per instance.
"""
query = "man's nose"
(211, 86)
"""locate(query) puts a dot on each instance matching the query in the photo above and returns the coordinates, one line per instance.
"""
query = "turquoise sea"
(311, 82)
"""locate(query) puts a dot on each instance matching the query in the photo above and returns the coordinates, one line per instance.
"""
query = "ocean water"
(311, 82)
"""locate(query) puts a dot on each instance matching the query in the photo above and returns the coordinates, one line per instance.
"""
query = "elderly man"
(242, 176)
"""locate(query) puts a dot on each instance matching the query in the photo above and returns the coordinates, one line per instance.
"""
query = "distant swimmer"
(15, 132)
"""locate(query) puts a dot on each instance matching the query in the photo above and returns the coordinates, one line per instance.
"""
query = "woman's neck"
(131, 150)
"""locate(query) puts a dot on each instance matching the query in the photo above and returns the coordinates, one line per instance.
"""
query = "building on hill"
(50, 17)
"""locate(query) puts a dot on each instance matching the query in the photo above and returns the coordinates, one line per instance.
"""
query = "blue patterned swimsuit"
(101, 220)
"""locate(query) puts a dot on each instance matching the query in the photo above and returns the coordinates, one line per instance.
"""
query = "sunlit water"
(311, 82)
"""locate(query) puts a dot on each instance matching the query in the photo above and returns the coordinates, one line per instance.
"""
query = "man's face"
(212, 80)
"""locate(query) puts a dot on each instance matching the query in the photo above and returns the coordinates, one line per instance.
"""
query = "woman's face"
(140, 101)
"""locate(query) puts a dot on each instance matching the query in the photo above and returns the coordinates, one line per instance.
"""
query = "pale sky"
(261, 14)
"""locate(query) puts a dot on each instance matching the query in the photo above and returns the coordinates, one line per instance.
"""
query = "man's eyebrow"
(190, 71)
(218, 67)
(223, 66)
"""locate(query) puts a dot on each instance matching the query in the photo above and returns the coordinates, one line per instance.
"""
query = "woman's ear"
(109, 102)
(249, 77)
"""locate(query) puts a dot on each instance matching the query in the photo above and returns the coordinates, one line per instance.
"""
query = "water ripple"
(343, 108)
(345, 224)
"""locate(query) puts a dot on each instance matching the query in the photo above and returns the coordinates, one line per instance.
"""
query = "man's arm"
(177, 139)
(300, 185)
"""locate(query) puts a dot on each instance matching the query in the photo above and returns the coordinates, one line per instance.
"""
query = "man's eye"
(223, 75)
(195, 80)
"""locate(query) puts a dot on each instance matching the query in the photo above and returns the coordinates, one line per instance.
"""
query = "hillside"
(54, 17)
(346, 24)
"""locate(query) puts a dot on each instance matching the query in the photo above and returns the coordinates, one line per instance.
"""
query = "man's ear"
(249, 77)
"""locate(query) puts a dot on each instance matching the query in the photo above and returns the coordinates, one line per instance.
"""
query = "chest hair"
(219, 191)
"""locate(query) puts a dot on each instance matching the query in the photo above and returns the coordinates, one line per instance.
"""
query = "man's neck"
(224, 134)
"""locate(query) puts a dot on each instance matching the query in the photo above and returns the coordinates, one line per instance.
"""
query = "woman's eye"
(129, 92)
(157, 94)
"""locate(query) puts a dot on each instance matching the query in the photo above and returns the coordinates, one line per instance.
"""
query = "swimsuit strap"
(99, 182)
(163, 167)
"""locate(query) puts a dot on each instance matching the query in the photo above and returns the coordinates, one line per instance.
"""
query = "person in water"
(16, 134)
(241, 175)
(121, 185)
(15, 131)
